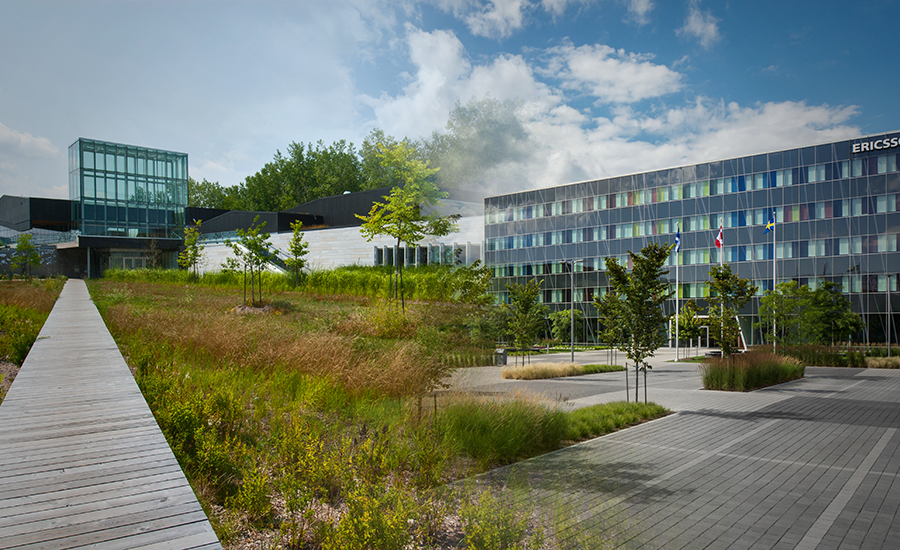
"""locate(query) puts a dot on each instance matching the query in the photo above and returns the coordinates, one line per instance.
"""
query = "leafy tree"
(525, 313)
(561, 325)
(192, 255)
(403, 215)
(609, 310)
(252, 253)
(789, 307)
(690, 325)
(26, 256)
(470, 284)
(297, 251)
(728, 294)
(209, 194)
(833, 319)
(483, 139)
(376, 176)
(643, 293)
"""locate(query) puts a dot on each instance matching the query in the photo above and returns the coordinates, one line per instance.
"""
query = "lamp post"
(571, 264)
(888, 331)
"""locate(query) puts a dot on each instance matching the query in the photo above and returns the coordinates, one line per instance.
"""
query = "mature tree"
(525, 313)
(252, 253)
(482, 138)
(26, 256)
(803, 316)
(470, 284)
(403, 216)
(728, 294)
(643, 293)
(209, 194)
(561, 325)
(690, 325)
(375, 175)
(789, 308)
(297, 251)
(192, 255)
(834, 320)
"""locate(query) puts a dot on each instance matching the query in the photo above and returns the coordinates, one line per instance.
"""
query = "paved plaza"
(808, 464)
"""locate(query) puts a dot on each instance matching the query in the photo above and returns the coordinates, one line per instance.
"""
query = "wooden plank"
(82, 460)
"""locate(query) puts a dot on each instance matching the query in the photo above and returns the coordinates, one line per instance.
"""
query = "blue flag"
(771, 225)
(678, 240)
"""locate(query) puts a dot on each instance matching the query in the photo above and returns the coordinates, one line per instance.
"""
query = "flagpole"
(774, 267)
(677, 246)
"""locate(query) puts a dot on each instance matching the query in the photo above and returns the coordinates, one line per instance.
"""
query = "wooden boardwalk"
(82, 460)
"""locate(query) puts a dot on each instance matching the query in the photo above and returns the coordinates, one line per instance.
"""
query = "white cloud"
(639, 10)
(700, 25)
(17, 143)
(497, 18)
(612, 76)
(444, 76)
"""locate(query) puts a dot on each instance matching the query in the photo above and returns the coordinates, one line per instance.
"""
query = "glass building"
(834, 206)
(127, 191)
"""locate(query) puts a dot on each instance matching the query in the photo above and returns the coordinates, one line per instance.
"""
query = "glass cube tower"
(126, 191)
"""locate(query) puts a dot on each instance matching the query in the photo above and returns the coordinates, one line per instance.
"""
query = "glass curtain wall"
(127, 191)
(835, 212)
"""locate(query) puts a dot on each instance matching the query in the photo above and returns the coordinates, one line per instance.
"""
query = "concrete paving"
(808, 464)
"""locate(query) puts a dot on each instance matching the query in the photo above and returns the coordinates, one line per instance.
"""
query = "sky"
(603, 87)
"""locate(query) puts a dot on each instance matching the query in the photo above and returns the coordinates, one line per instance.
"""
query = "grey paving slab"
(82, 460)
(814, 463)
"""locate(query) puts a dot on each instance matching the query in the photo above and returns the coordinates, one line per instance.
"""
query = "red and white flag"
(720, 239)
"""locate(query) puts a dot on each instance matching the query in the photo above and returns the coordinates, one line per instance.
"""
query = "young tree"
(525, 313)
(789, 308)
(833, 319)
(561, 325)
(690, 325)
(407, 215)
(252, 253)
(192, 255)
(297, 251)
(26, 256)
(610, 313)
(728, 294)
(643, 293)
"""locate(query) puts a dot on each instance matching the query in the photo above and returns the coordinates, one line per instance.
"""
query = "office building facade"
(834, 207)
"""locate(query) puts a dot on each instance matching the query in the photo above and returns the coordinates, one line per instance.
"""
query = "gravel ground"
(8, 373)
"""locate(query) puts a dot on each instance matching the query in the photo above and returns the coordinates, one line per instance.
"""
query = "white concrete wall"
(329, 248)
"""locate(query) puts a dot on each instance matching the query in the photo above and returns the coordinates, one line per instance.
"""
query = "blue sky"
(605, 87)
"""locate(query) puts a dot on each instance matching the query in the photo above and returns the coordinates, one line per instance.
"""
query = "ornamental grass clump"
(749, 371)
(540, 371)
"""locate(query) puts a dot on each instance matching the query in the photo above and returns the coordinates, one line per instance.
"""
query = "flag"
(771, 225)
(720, 238)
(678, 240)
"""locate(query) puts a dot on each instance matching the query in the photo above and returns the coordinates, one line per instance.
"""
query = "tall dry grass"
(202, 326)
(37, 294)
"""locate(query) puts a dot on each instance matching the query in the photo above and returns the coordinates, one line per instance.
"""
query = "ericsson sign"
(874, 145)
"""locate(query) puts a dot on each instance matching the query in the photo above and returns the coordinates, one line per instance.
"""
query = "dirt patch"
(250, 310)
(7, 375)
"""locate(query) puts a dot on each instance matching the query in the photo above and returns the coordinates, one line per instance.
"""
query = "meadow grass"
(749, 371)
(301, 424)
(24, 306)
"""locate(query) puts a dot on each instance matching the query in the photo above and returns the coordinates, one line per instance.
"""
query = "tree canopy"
(408, 212)
(728, 294)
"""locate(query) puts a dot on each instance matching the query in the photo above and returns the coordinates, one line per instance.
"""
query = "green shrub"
(749, 371)
(253, 496)
(19, 328)
(376, 517)
(489, 524)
